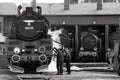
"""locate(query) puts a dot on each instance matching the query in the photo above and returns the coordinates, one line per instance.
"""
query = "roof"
(8, 9)
(58, 9)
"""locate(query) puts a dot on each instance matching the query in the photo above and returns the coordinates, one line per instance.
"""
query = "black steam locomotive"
(29, 47)
(115, 46)
(90, 46)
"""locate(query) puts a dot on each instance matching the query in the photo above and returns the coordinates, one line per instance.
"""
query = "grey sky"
(28, 1)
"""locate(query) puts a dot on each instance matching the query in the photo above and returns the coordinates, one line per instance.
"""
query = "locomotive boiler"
(29, 47)
(90, 46)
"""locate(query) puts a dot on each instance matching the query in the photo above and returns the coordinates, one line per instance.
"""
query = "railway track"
(32, 77)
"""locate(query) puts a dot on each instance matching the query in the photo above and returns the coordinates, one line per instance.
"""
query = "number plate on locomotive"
(29, 28)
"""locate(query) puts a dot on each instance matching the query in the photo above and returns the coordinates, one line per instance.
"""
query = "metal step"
(102, 64)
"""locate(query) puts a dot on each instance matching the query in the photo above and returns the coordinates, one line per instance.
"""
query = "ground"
(85, 73)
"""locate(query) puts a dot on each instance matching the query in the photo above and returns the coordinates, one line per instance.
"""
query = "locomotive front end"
(90, 46)
(29, 47)
(29, 56)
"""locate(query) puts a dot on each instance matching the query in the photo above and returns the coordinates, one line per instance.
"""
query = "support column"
(106, 37)
(119, 24)
(2, 26)
(76, 42)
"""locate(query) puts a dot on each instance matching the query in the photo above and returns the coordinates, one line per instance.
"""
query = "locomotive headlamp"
(35, 50)
(81, 48)
(95, 48)
(23, 50)
(42, 49)
(42, 58)
(80, 54)
(15, 58)
(94, 54)
(16, 50)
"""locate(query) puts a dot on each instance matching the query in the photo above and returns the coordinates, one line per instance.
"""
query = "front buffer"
(29, 56)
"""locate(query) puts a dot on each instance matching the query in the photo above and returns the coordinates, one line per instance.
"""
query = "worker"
(60, 60)
(67, 60)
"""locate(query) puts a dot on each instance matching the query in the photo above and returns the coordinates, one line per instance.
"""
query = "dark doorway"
(70, 29)
(98, 32)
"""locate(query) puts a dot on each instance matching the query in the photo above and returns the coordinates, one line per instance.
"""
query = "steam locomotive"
(114, 40)
(90, 46)
(28, 46)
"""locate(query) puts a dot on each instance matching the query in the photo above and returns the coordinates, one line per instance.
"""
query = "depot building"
(75, 18)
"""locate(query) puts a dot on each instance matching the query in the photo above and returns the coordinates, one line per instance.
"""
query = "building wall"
(1, 24)
(84, 20)
(70, 20)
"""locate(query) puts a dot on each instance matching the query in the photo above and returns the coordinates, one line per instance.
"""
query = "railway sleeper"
(33, 77)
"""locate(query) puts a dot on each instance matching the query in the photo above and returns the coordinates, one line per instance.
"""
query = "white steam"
(56, 43)
(56, 38)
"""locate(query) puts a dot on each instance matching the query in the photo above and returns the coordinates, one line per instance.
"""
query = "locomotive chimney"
(29, 9)
(66, 4)
(18, 10)
(39, 10)
(33, 4)
(99, 4)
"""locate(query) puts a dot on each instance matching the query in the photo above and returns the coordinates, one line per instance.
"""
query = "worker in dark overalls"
(67, 60)
(60, 60)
